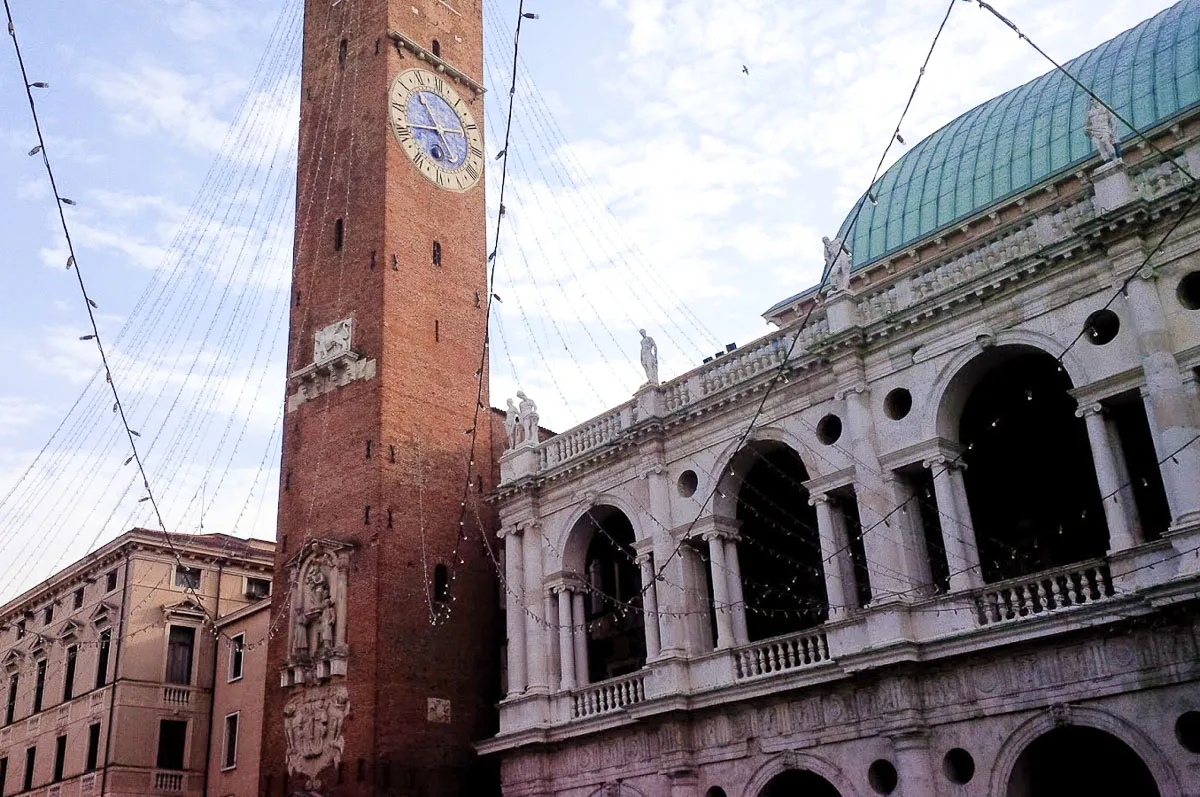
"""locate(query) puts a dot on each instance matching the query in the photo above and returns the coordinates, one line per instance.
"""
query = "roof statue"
(837, 265)
(1101, 127)
(649, 357)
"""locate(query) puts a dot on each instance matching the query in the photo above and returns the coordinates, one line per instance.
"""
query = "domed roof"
(1148, 74)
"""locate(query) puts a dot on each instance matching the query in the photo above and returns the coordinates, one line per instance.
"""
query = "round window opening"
(1188, 291)
(1187, 731)
(897, 403)
(958, 766)
(829, 429)
(1101, 327)
(688, 483)
(882, 776)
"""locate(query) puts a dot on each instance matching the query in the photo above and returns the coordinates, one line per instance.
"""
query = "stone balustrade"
(586, 437)
(780, 654)
(176, 696)
(1049, 591)
(168, 781)
(607, 696)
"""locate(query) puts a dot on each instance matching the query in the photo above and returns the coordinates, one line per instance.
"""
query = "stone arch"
(616, 789)
(737, 457)
(955, 380)
(1050, 719)
(779, 764)
(574, 536)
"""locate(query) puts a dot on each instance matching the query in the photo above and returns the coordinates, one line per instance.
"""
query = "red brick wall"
(421, 402)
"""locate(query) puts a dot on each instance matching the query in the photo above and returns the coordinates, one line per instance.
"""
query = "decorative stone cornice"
(437, 63)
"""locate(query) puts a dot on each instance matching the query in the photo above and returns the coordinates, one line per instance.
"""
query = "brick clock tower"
(382, 663)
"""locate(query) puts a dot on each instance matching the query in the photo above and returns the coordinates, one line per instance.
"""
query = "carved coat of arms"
(312, 725)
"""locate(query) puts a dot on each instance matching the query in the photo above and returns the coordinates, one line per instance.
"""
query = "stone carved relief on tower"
(335, 363)
(333, 340)
(316, 613)
(312, 728)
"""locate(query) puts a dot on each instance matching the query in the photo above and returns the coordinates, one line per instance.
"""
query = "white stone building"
(939, 534)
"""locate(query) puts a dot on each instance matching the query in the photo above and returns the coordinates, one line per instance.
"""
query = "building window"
(343, 50)
(237, 647)
(102, 659)
(93, 751)
(187, 577)
(441, 584)
(172, 736)
(11, 709)
(60, 757)
(110, 581)
(20, 629)
(48, 615)
(339, 235)
(258, 587)
(229, 759)
(30, 760)
(39, 688)
(3, 773)
(437, 48)
(77, 603)
(181, 640)
(437, 253)
(69, 673)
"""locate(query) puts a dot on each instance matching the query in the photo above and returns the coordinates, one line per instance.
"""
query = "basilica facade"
(939, 534)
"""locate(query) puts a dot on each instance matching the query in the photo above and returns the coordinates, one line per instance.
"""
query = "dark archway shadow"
(1080, 760)
(799, 783)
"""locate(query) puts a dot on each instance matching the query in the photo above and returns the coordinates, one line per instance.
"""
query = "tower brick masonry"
(376, 441)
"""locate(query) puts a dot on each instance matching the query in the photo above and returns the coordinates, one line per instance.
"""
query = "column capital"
(509, 531)
(944, 461)
(643, 558)
(819, 498)
(714, 526)
(842, 392)
(1095, 408)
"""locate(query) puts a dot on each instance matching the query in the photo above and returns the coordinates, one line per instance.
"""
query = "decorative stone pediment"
(186, 610)
(12, 660)
(316, 607)
(37, 647)
(102, 616)
(69, 632)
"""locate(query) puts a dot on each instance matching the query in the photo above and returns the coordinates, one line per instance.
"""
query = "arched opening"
(795, 782)
(1030, 478)
(437, 48)
(1080, 760)
(616, 636)
(783, 582)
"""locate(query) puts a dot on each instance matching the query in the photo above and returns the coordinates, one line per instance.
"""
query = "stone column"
(553, 654)
(720, 582)
(737, 599)
(536, 624)
(958, 533)
(914, 765)
(1119, 535)
(671, 597)
(1171, 414)
(832, 557)
(566, 645)
(514, 590)
(649, 607)
(579, 634)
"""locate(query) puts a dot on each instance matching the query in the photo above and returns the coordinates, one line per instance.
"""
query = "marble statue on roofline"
(512, 420)
(837, 265)
(1100, 126)
(528, 416)
(649, 356)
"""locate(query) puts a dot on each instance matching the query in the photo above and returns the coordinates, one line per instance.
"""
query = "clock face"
(436, 129)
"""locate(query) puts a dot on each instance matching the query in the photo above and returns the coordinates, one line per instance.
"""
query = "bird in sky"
(745, 69)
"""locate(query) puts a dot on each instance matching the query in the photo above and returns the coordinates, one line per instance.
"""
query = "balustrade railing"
(168, 781)
(608, 696)
(1053, 590)
(778, 655)
(583, 438)
(176, 696)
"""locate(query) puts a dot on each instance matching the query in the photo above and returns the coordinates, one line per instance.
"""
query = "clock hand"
(443, 131)
(437, 125)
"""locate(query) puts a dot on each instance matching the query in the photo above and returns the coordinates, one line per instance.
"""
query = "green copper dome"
(1017, 140)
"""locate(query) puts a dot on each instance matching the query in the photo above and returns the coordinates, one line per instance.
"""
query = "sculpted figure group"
(521, 421)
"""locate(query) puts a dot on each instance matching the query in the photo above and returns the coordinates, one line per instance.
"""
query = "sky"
(652, 183)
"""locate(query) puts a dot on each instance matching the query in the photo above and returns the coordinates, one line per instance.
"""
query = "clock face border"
(407, 85)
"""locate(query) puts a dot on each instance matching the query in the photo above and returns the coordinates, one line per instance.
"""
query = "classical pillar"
(913, 764)
(958, 533)
(579, 634)
(1172, 417)
(737, 599)
(720, 582)
(514, 591)
(566, 645)
(649, 607)
(1119, 535)
(832, 557)
(536, 621)
(670, 591)
(553, 655)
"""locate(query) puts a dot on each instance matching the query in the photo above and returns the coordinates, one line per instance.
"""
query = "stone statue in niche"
(312, 727)
(1101, 127)
(649, 357)
(528, 415)
(837, 265)
(333, 340)
(512, 420)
